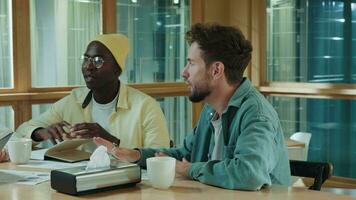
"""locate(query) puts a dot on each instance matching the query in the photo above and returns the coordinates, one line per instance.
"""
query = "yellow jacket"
(138, 120)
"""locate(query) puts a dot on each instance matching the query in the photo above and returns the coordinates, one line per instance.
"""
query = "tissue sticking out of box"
(100, 159)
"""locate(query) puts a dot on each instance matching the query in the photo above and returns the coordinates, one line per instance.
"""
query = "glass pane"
(311, 41)
(7, 117)
(176, 110)
(60, 32)
(332, 125)
(37, 109)
(156, 30)
(179, 118)
(353, 54)
(6, 80)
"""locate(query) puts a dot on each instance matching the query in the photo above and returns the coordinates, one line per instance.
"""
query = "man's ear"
(217, 70)
(117, 70)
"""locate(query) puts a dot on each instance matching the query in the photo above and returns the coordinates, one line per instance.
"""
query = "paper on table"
(38, 154)
(23, 177)
(46, 164)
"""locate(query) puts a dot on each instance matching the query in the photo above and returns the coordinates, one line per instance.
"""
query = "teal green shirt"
(254, 152)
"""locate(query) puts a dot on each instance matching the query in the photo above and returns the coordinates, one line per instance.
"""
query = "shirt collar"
(236, 99)
(240, 93)
(122, 101)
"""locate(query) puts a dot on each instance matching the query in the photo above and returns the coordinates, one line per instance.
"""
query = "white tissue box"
(78, 181)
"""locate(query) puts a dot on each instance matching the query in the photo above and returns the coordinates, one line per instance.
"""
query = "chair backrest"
(303, 137)
(300, 154)
(320, 171)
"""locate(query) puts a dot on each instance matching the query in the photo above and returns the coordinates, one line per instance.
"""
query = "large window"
(6, 70)
(311, 41)
(42, 41)
(49, 37)
(312, 45)
(156, 30)
(6, 77)
(332, 124)
(6, 117)
(60, 31)
(176, 110)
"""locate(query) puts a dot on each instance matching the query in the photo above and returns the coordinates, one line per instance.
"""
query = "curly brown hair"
(226, 44)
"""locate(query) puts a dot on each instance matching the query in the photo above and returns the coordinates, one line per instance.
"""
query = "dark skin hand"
(55, 132)
(63, 130)
(90, 130)
(4, 155)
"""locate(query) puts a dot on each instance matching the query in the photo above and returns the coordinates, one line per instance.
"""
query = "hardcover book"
(66, 151)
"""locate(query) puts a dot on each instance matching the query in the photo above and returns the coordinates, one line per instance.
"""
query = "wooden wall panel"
(109, 16)
(22, 57)
(197, 8)
(216, 11)
(258, 38)
(21, 45)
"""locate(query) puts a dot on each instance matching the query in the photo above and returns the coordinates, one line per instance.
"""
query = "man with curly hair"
(238, 142)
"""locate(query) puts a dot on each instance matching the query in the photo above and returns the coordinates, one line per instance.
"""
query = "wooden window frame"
(22, 96)
(288, 89)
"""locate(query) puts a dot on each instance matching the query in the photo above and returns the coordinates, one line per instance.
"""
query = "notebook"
(66, 151)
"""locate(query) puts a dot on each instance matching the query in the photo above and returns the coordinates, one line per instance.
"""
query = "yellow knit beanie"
(118, 45)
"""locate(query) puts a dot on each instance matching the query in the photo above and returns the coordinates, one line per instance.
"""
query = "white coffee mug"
(161, 171)
(19, 150)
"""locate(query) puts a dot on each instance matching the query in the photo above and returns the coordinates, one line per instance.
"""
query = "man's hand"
(123, 154)
(182, 167)
(55, 132)
(4, 156)
(89, 130)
